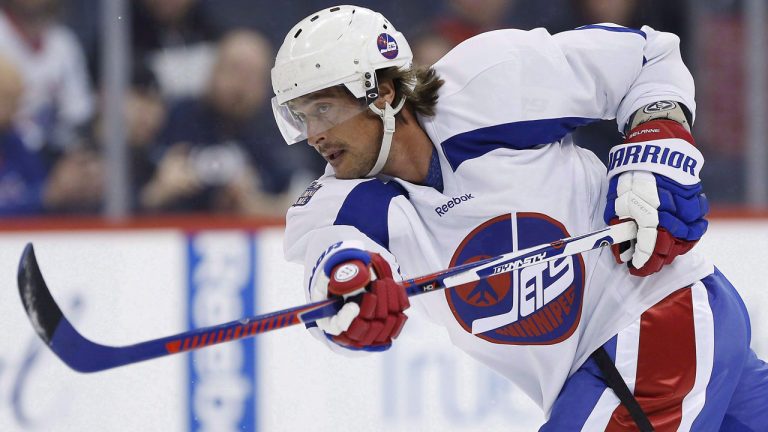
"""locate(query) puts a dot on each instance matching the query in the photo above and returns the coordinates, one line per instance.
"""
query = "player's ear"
(386, 93)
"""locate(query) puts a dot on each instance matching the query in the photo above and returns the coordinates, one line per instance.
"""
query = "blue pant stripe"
(579, 395)
(731, 345)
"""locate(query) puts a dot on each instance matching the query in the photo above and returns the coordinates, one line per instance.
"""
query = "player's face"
(341, 129)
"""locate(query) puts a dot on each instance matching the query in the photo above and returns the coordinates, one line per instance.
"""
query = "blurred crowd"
(200, 132)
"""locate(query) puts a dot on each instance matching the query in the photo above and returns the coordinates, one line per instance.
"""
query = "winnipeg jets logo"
(387, 46)
(537, 304)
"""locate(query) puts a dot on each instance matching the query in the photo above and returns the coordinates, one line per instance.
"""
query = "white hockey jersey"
(512, 178)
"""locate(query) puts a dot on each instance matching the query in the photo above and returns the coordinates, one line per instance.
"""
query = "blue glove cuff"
(345, 255)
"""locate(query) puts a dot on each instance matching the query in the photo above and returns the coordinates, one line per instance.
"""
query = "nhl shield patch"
(308, 194)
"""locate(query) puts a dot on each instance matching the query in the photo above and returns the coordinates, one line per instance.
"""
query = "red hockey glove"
(373, 313)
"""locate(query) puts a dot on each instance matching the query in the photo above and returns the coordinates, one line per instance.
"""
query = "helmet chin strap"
(388, 117)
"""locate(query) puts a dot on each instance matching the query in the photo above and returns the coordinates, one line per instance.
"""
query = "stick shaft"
(435, 281)
(86, 356)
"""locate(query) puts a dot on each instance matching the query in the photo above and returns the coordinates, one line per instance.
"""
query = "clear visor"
(315, 113)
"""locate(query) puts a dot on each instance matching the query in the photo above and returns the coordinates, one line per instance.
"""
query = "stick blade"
(50, 323)
(41, 308)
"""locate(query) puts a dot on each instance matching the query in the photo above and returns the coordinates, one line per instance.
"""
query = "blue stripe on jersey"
(518, 136)
(614, 29)
(366, 208)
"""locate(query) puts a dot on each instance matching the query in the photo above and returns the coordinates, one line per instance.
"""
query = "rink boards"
(124, 286)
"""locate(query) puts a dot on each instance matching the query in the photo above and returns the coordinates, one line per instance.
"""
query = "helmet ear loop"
(387, 116)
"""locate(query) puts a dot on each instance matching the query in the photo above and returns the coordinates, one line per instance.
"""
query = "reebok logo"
(453, 202)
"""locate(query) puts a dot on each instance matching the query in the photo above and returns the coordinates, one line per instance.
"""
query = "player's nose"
(315, 136)
(315, 140)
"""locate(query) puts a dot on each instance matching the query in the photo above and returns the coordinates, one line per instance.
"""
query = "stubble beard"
(357, 164)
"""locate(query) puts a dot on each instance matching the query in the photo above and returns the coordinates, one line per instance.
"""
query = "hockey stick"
(84, 355)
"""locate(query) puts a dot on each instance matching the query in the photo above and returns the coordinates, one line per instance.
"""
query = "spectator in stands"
(663, 15)
(76, 182)
(721, 60)
(429, 46)
(145, 112)
(57, 99)
(472, 17)
(177, 39)
(222, 152)
(22, 174)
(145, 115)
(623, 12)
(462, 20)
(27, 186)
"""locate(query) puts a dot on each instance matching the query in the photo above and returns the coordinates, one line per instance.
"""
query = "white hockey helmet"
(342, 45)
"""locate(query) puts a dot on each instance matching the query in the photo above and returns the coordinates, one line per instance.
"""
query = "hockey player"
(472, 158)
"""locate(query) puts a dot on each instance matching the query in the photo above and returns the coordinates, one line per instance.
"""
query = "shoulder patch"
(307, 194)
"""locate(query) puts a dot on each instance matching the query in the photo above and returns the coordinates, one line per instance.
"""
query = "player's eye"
(323, 108)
